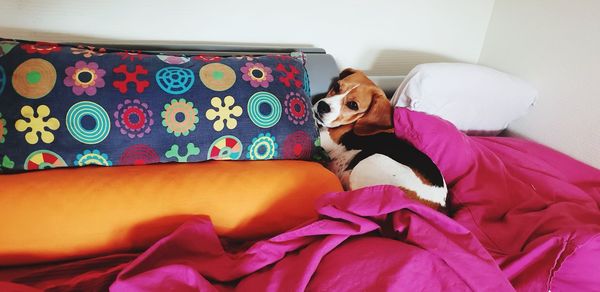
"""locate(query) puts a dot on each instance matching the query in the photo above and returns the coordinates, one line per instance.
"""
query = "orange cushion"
(68, 213)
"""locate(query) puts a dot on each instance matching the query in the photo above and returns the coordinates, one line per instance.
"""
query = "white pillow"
(477, 99)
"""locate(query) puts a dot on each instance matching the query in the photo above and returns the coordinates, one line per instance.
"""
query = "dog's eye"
(352, 105)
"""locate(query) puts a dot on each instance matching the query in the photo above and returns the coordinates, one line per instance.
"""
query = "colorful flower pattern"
(297, 146)
(88, 51)
(40, 48)
(133, 118)
(233, 112)
(37, 122)
(92, 157)
(296, 109)
(224, 113)
(43, 159)
(263, 147)
(139, 154)
(180, 117)
(84, 78)
(257, 74)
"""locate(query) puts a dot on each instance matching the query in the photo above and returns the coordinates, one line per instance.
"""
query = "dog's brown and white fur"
(357, 133)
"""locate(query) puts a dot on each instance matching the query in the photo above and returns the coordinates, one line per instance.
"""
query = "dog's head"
(356, 102)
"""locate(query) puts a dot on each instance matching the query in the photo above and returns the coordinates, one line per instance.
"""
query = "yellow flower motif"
(37, 124)
(225, 112)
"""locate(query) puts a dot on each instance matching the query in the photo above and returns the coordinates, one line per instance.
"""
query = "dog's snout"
(323, 108)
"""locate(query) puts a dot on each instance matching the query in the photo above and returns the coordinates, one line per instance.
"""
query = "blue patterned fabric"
(74, 106)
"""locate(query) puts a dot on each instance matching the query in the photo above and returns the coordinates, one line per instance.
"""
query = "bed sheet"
(524, 217)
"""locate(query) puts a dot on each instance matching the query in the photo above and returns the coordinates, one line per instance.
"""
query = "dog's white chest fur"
(377, 169)
(340, 157)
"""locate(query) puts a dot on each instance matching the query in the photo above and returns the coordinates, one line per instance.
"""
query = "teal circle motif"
(2, 80)
(175, 80)
(260, 119)
(87, 108)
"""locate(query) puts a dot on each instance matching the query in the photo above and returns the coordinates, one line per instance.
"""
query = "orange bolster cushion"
(71, 213)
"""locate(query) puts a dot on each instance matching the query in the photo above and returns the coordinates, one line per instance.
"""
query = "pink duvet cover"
(524, 217)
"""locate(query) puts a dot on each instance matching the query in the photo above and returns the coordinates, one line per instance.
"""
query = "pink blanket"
(524, 217)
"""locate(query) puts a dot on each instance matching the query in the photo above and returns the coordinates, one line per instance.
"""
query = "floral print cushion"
(63, 106)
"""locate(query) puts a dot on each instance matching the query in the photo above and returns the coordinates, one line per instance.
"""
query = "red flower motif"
(296, 108)
(207, 58)
(131, 55)
(297, 145)
(88, 51)
(40, 47)
(134, 118)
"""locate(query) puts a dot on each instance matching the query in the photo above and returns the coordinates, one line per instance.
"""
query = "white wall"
(554, 44)
(383, 36)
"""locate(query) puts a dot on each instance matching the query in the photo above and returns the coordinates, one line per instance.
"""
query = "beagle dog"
(357, 133)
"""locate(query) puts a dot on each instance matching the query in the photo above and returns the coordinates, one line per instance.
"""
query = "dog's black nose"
(323, 108)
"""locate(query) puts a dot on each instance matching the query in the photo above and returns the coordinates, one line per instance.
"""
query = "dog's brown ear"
(346, 72)
(340, 85)
(354, 76)
(378, 118)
